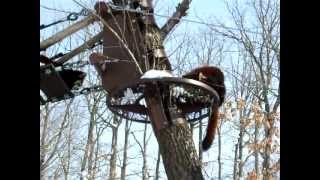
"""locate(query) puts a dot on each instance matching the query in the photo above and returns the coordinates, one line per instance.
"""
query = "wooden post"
(66, 32)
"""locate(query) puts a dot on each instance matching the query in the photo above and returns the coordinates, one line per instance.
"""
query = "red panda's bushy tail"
(211, 128)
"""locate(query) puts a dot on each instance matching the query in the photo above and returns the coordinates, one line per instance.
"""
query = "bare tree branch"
(181, 10)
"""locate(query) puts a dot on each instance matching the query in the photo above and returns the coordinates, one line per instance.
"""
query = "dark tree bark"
(240, 144)
(176, 145)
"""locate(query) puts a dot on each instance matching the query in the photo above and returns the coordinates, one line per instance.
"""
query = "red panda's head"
(98, 61)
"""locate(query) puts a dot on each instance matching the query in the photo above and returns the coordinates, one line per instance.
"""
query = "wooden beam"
(80, 49)
(66, 32)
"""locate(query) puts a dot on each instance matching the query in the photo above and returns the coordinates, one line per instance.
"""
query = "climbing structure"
(121, 67)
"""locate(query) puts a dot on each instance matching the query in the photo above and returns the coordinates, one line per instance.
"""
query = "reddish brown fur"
(70, 77)
(44, 59)
(216, 81)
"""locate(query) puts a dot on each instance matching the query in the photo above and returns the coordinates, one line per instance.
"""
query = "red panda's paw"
(95, 58)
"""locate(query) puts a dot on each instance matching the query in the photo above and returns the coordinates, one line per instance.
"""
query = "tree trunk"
(158, 166)
(200, 140)
(235, 167)
(90, 159)
(113, 159)
(240, 144)
(125, 151)
(267, 174)
(178, 152)
(43, 143)
(145, 164)
(69, 149)
(89, 142)
(256, 151)
(96, 157)
(219, 153)
(176, 145)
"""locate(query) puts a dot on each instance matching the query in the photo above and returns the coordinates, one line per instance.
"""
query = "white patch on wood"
(156, 74)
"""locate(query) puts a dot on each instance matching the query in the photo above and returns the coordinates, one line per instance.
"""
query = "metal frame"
(139, 113)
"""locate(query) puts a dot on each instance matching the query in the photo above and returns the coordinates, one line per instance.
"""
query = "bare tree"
(242, 81)
(114, 151)
(263, 48)
(125, 150)
(143, 150)
(51, 144)
(93, 102)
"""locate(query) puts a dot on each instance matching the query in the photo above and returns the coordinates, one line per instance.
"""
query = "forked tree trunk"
(174, 136)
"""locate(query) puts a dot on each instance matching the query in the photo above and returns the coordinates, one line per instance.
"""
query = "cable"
(73, 16)
(119, 8)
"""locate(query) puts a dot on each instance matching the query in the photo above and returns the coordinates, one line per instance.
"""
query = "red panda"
(72, 78)
(213, 77)
(45, 59)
